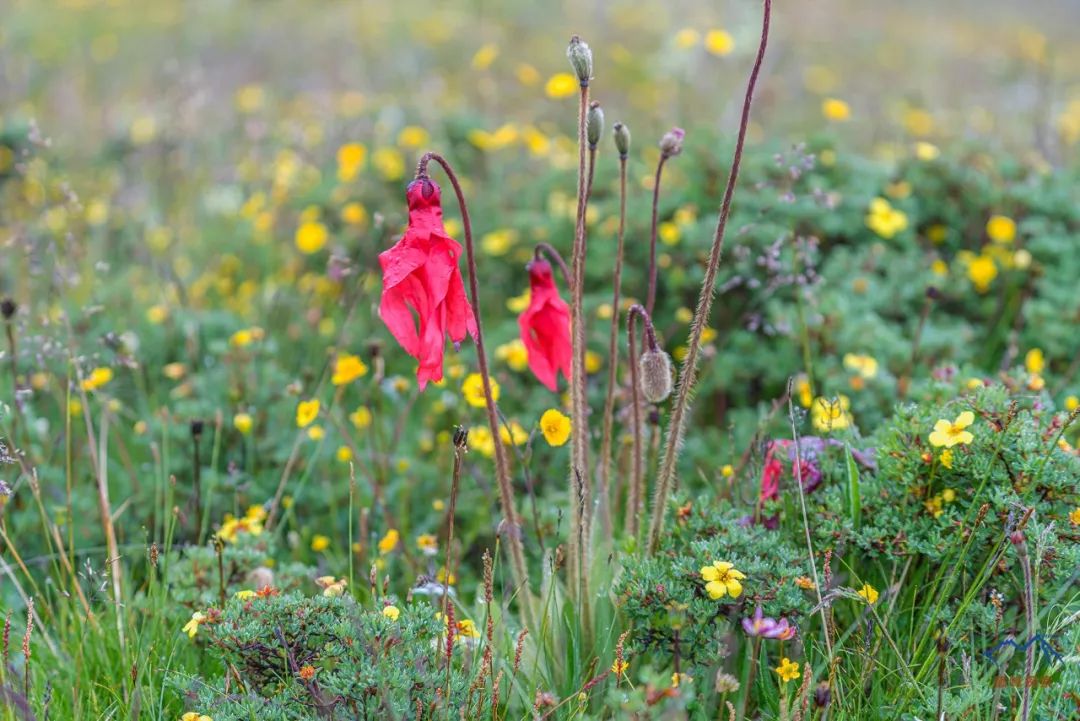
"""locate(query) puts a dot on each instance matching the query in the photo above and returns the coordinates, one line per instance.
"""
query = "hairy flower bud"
(822, 694)
(622, 138)
(581, 59)
(595, 125)
(671, 143)
(655, 370)
(8, 308)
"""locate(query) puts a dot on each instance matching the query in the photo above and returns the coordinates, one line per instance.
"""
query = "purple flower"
(765, 627)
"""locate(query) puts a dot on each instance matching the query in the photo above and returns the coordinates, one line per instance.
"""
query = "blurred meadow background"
(193, 195)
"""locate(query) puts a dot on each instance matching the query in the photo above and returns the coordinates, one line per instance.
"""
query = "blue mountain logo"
(1036, 640)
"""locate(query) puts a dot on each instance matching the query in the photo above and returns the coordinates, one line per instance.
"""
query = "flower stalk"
(622, 140)
(670, 146)
(688, 376)
(636, 494)
(502, 468)
(577, 564)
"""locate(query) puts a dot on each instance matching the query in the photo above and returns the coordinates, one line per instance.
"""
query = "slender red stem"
(502, 466)
(688, 376)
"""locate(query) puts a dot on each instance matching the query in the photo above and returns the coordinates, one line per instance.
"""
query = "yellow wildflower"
(348, 368)
(97, 378)
(866, 366)
(946, 458)
(835, 109)
(516, 434)
(514, 354)
(319, 543)
(311, 237)
(1035, 361)
(555, 426)
(561, 85)
(1001, 229)
(949, 434)
(413, 136)
(869, 593)
(830, 414)
(306, 412)
(473, 390)
(192, 626)
(722, 579)
(391, 612)
(687, 38)
(361, 418)
(428, 544)
(788, 670)
(243, 423)
(389, 541)
(982, 271)
(884, 219)
(719, 42)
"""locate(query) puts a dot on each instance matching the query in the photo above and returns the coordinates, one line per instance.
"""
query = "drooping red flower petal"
(545, 327)
(423, 296)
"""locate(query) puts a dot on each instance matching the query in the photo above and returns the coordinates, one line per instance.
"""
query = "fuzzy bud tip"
(655, 371)
(622, 138)
(672, 142)
(594, 127)
(580, 57)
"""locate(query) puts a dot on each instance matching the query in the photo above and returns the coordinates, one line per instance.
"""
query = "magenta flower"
(765, 627)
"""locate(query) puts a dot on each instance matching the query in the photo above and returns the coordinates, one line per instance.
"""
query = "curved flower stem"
(604, 461)
(704, 307)
(634, 500)
(577, 563)
(545, 249)
(650, 299)
(592, 170)
(502, 468)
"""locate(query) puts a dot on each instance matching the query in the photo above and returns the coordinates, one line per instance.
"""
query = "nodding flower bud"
(822, 694)
(655, 371)
(595, 126)
(622, 138)
(671, 143)
(581, 59)
(8, 308)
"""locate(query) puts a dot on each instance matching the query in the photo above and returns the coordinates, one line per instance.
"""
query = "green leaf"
(854, 502)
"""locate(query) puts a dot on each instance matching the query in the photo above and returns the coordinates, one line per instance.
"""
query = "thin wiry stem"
(545, 249)
(577, 562)
(502, 467)
(613, 363)
(634, 500)
(704, 307)
(650, 299)
(1032, 622)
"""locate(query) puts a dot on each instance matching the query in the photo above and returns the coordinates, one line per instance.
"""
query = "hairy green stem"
(604, 462)
(704, 307)
(518, 565)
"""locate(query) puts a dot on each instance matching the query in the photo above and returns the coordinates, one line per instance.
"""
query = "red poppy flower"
(421, 277)
(545, 326)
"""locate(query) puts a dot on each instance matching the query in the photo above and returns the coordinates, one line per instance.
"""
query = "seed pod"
(595, 124)
(655, 370)
(580, 57)
(622, 138)
(671, 143)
